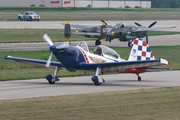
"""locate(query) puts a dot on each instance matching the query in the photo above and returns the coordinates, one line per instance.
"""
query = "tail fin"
(140, 51)
(67, 31)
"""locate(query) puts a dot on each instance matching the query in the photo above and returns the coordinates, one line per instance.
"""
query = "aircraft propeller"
(49, 41)
(152, 24)
(103, 21)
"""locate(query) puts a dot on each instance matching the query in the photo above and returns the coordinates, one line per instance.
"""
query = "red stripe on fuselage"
(85, 56)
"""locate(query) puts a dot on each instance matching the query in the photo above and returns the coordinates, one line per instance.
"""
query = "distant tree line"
(165, 3)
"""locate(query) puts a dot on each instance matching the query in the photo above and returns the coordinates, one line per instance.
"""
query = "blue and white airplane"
(103, 60)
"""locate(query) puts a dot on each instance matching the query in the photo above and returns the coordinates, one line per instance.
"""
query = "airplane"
(107, 32)
(80, 58)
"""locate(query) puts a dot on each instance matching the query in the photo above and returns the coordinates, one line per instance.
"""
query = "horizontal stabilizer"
(155, 69)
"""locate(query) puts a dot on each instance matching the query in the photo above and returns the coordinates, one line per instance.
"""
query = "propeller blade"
(152, 24)
(67, 30)
(49, 61)
(137, 24)
(103, 33)
(63, 45)
(103, 22)
(47, 39)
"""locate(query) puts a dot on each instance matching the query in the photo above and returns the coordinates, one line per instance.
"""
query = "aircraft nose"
(53, 48)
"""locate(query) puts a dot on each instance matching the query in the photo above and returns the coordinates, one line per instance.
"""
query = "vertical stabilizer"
(140, 51)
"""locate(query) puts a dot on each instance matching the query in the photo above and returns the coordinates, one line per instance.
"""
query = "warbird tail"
(140, 51)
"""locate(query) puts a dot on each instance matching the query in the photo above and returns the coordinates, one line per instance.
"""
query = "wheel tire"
(130, 44)
(97, 83)
(19, 18)
(50, 82)
(139, 78)
(37, 19)
(30, 19)
(98, 42)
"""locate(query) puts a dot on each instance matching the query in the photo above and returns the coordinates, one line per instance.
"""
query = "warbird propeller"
(103, 60)
(107, 32)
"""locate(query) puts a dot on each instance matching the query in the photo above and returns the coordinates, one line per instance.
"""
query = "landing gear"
(97, 79)
(97, 84)
(139, 78)
(53, 78)
(98, 42)
(146, 39)
(130, 43)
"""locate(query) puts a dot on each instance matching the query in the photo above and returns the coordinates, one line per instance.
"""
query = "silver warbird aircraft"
(107, 32)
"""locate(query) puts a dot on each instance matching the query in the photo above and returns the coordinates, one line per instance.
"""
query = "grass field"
(35, 35)
(59, 14)
(144, 104)
(11, 70)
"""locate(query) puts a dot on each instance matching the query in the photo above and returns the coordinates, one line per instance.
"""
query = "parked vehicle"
(29, 15)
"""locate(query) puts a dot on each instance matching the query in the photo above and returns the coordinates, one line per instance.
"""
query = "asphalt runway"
(78, 85)
(58, 25)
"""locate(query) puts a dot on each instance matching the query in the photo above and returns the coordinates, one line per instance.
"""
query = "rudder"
(140, 51)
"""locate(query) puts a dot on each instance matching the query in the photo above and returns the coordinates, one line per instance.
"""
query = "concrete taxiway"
(78, 85)
(163, 40)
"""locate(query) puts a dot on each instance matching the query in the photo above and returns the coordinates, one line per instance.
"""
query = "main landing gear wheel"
(97, 84)
(130, 44)
(139, 78)
(98, 42)
(50, 82)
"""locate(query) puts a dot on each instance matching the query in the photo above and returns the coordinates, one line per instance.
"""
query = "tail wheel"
(139, 78)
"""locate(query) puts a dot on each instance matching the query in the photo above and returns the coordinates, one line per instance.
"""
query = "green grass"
(84, 13)
(35, 35)
(144, 104)
(10, 70)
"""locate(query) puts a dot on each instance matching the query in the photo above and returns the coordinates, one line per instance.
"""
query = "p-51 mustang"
(74, 58)
(107, 32)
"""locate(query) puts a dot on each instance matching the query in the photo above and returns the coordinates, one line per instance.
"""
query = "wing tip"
(169, 63)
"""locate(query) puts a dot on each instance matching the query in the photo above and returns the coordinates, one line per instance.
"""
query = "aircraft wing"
(85, 33)
(139, 29)
(34, 62)
(126, 65)
(79, 26)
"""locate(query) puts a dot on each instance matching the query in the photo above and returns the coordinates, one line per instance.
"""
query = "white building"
(78, 3)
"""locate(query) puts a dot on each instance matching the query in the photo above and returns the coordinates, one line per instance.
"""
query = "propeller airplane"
(107, 32)
(103, 60)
